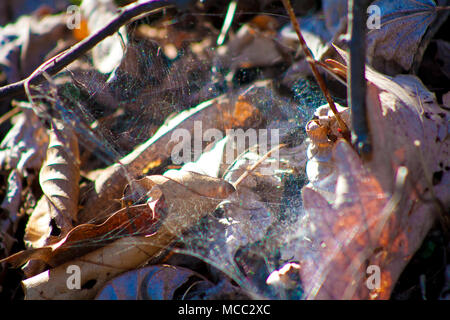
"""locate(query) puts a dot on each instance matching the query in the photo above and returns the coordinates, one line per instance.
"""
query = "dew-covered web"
(170, 64)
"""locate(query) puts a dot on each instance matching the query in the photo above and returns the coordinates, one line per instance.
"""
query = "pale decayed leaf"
(343, 235)
(320, 168)
(158, 282)
(251, 47)
(11, 203)
(403, 25)
(222, 113)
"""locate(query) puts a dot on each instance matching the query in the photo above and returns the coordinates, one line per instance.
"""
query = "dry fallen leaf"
(108, 54)
(10, 204)
(170, 205)
(251, 47)
(356, 212)
(344, 234)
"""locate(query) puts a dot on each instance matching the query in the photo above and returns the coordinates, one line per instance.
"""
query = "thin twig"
(227, 22)
(309, 57)
(256, 164)
(57, 63)
(356, 89)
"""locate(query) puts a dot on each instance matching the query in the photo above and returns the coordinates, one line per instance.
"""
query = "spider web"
(114, 113)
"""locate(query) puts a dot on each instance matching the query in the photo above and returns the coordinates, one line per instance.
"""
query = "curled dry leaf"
(56, 211)
(252, 47)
